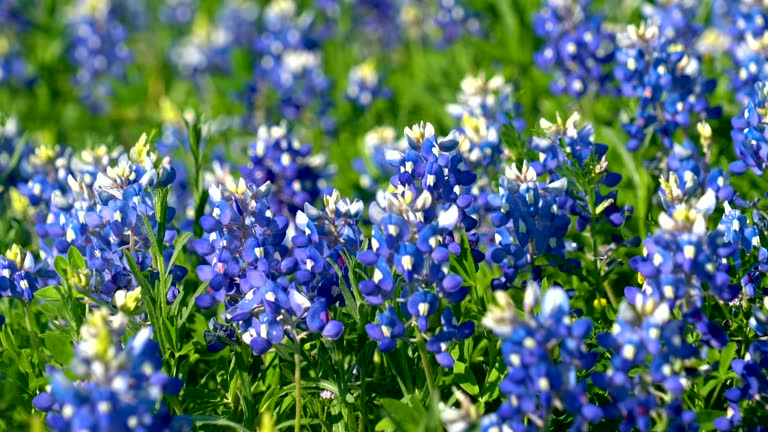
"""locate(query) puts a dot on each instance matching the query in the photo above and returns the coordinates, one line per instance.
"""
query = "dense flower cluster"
(417, 227)
(97, 204)
(644, 336)
(297, 175)
(565, 147)
(225, 248)
(528, 221)
(538, 381)
(676, 19)
(115, 387)
(665, 79)
(248, 262)
(750, 137)
(483, 107)
(289, 65)
(578, 47)
(14, 68)
(745, 25)
(682, 258)
(390, 22)
(98, 49)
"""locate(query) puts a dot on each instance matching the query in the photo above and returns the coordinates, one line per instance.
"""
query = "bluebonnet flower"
(528, 222)
(99, 209)
(577, 46)
(582, 153)
(14, 68)
(379, 19)
(450, 331)
(365, 85)
(208, 49)
(18, 274)
(483, 108)
(376, 143)
(676, 19)
(682, 257)
(737, 231)
(452, 21)
(248, 263)
(490, 98)
(690, 165)
(392, 22)
(263, 333)
(749, 388)
(750, 136)
(98, 49)
(243, 241)
(538, 381)
(742, 27)
(289, 67)
(297, 175)
(219, 336)
(178, 12)
(389, 329)
(666, 80)
(115, 387)
(418, 225)
(646, 336)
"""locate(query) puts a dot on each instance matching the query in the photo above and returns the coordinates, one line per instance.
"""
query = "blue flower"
(319, 322)
(388, 331)
(98, 50)
(666, 81)
(365, 85)
(578, 47)
(750, 138)
(115, 387)
(421, 305)
(19, 275)
(451, 331)
(538, 379)
(262, 333)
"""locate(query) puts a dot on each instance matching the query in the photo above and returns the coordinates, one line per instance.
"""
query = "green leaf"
(50, 293)
(402, 415)
(178, 248)
(385, 424)
(201, 420)
(153, 242)
(267, 400)
(726, 356)
(58, 292)
(199, 394)
(60, 347)
(466, 379)
(61, 265)
(199, 211)
(706, 418)
(161, 203)
(76, 260)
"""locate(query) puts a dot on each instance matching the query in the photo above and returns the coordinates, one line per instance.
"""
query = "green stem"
(32, 333)
(425, 363)
(297, 380)
(595, 258)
